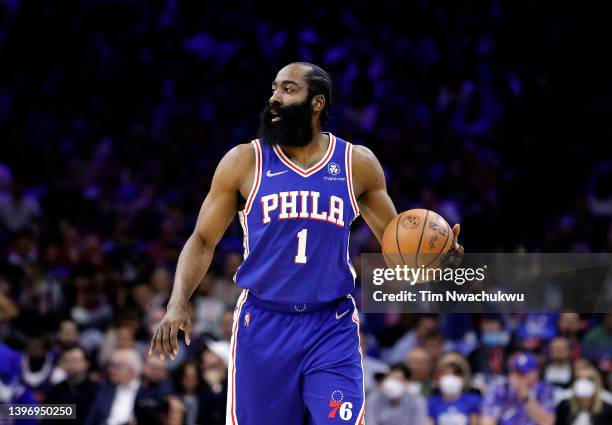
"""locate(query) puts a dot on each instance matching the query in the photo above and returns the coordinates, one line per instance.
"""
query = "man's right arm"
(216, 214)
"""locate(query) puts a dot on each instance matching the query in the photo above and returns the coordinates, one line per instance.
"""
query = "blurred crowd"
(113, 115)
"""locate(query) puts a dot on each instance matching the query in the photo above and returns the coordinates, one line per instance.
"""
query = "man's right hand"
(165, 337)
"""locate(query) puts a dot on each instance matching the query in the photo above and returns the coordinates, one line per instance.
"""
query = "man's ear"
(318, 103)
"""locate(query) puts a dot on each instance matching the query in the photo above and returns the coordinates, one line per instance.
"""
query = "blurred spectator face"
(124, 337)
(434, 345)
(559, 350)
(190, 379)
(125, 366)
(142, 295)
(394, 385)
(75, 364)
(227, 321)
(424, 326)
(569, 324)
(232, 262)
(37, 355)
(154, 369)
(68, 333)
(451, 380)
(493, 333)
(523, 371)
(419, 364)
(160, 281)
(214, 363)
(587, 385)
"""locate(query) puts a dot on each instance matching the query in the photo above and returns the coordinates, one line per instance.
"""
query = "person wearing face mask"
(585, 406)
(488, 360)
(393, 403)
(454, 405)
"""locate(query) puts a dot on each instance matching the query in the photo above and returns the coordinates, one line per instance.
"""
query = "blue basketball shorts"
(297, 367)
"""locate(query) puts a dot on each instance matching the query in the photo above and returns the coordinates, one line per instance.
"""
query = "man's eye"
(288, 89)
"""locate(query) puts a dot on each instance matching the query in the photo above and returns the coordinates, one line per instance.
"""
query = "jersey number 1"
(301, 258)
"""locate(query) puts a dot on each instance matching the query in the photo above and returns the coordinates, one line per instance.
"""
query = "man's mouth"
(275, 116)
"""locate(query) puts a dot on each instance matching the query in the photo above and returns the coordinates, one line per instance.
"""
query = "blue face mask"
(495, 338)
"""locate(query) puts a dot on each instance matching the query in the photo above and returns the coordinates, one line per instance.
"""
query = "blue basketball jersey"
(296, 226)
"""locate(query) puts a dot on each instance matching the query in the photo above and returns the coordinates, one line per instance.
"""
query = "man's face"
(559, 350)
(74, 363)
(155, 369)
(120, 372)
(288, 117)
(527, 379)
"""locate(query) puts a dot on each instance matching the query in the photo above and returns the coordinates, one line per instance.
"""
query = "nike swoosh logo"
(339, 316)
(269, 174)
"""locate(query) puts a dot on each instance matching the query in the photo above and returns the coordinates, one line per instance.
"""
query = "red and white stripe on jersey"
(245, 231)
(230, 412)
(305, 173)
(355, 318)
(256, 178)
(348, 164)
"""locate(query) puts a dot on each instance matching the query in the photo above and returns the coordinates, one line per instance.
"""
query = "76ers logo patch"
(247, 319)
(340, 408)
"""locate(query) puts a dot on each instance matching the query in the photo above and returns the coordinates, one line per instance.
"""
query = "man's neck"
(308, 155)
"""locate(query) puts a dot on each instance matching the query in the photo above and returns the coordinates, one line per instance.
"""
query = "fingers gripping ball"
(417, 238)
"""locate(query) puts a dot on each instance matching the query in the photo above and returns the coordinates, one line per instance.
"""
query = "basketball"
(417, 238)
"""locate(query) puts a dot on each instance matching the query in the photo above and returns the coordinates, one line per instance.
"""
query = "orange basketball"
(417, 238)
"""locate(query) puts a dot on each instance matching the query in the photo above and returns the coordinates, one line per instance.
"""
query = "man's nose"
(275, 98)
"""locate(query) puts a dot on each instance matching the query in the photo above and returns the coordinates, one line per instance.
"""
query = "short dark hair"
(319, 82)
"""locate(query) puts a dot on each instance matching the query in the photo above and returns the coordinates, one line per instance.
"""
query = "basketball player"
(294, 354)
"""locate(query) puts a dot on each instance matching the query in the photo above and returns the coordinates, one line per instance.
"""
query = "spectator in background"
(597, 344)
(488, 360)
(570, 326)
(37, 367)
(214, 360)
(188, 382)
(558, 371)
(419, 364)
(18, 209)
(454, 404)
(393, 403)
(585, 406)
(373, 368)
(425, 323)
(434, 345)
(154, 389)
(76, 389)
(114, 403)
(208, 309)
(521, 399)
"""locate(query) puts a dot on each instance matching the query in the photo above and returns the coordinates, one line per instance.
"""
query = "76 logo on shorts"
(341, 408)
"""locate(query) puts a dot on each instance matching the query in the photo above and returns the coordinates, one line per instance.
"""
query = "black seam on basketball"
(443, 245)
(388, 258)
(416, 259)
(397, 238)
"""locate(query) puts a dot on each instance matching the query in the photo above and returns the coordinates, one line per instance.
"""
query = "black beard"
(293, 129)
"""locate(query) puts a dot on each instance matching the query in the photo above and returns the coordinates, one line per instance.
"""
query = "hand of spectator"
(165, 337)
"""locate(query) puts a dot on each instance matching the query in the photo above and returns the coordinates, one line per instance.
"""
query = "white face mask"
(6, 392)
(393, 388)
(584, 388)
(451, 384)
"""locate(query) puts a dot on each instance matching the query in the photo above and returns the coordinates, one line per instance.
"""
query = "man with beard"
(294, 354)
